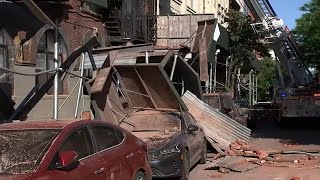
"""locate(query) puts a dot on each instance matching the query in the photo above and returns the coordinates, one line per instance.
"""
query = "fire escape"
(131, 21)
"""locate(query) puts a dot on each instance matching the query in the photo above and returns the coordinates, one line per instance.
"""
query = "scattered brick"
(216, 175)
(262, 154)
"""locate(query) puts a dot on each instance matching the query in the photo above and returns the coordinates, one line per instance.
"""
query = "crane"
(296, 94)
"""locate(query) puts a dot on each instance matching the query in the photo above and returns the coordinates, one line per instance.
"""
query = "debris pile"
(241, 157)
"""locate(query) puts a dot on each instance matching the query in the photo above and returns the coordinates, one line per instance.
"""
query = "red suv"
(70, 149)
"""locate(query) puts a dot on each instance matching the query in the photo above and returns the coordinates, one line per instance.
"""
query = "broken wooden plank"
(203, 59)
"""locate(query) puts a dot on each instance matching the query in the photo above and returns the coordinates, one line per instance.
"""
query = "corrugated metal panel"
(219, 127)
(177, 29)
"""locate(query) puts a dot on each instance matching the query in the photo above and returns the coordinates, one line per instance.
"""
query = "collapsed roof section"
(120, 90)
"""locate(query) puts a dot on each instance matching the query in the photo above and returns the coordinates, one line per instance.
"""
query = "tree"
(307, 33)
(244, 43)
(265, 79)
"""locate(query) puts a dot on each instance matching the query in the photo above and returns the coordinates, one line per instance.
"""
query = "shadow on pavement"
(295, 132)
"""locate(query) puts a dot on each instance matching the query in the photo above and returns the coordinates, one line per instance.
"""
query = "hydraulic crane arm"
(279, 39)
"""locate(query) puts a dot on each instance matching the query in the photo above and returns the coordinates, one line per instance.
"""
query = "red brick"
(262, 154)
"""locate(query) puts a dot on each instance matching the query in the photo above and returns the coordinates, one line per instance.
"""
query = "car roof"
(44, 124)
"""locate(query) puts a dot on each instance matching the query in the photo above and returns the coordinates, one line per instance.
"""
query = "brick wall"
(75, 27)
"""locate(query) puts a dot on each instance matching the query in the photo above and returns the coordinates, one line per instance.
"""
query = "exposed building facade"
(217, 7)
(27, 46)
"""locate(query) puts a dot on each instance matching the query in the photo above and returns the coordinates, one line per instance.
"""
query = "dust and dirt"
(21, 151)
(268, 137)
(156, 128)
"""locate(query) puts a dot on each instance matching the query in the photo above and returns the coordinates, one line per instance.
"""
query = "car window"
(120, 135)
(105, 137)
(21, 151)
(80, 142)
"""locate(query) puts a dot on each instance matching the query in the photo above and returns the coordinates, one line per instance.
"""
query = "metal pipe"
(93, 63)
(215, 77)
(210, 78)
(69, 95)
(253, 89)
(56, 78)
(173, 66)
(256, 89)
(250, 87)
(147, 57)
(80, 86)
(227, 63)
(182, 89)
(215, 70)
(239, 82)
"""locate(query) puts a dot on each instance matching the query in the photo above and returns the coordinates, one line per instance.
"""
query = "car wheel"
(185, 169)
(204, 153)
(140, 176)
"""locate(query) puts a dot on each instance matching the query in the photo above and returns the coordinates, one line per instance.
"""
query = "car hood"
(121, 89)
(156, 128)
(15, 176)
(157, 140)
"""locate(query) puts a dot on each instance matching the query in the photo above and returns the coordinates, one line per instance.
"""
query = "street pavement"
(300, 135)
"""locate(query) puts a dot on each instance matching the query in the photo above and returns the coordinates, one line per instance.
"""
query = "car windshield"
(22, 150)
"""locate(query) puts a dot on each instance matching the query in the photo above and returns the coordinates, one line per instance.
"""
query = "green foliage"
(243, 40)
(307, 32)
(265, 78)
(244, 44)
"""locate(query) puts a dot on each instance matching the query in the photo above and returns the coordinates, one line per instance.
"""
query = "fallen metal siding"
(217, 126)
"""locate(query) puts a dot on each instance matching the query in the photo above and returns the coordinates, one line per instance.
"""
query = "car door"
(195, 139)
(109, 147)
(91, 165)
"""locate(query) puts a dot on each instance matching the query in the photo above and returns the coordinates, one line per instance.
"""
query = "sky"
(288, 10)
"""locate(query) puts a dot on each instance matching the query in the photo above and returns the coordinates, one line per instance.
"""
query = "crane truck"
(296, 94)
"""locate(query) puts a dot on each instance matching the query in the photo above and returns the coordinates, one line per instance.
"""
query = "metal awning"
(101, 3)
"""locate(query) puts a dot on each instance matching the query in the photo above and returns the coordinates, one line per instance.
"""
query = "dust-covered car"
(71, 149)
(142, 100)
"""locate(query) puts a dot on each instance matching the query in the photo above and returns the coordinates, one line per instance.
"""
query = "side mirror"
(68, 160)
(192, 128)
